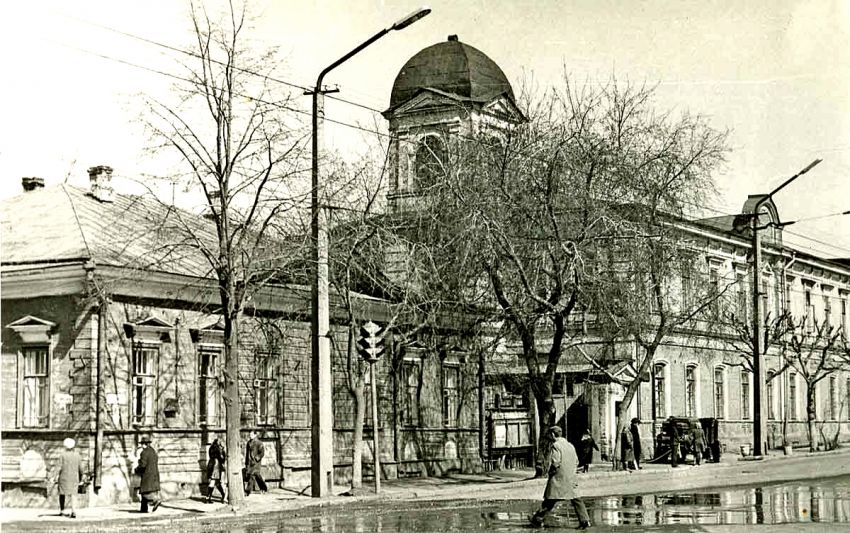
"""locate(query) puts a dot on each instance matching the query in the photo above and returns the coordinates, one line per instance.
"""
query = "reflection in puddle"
(777, 504)
(826, 500)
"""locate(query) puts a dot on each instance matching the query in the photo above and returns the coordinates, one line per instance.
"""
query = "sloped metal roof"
(453, 67)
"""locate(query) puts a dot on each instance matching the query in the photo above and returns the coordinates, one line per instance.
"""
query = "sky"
(775, 73)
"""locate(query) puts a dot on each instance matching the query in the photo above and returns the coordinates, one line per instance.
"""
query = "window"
(411, 371)
(827, 311)
(844, 325)
(771, 398)
(451, 385)
(765, 297)
(810, 310)
(209, 393)
(430, 159)
(814, 388)
(719, 393)
(660, 392)
(832, 405)
(265, 391)
(36, 391)
(847, 398)
(145, 359)
(792, 396)
(714, 287)
(745, 395)
(691, 390)
(741, 299)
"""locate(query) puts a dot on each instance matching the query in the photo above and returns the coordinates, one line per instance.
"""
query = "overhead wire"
(346, 101)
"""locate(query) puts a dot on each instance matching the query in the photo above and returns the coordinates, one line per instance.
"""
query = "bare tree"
(813, 350)
(238, 153)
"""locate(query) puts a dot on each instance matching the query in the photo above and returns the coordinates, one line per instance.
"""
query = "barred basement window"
(209, 392)
(451, 385)
(265, 390)
(36, 390)
(145, 358)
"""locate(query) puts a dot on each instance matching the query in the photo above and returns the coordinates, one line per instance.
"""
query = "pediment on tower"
(427, 100)
(504, 108)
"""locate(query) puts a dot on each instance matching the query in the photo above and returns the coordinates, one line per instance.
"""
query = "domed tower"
(446, 89)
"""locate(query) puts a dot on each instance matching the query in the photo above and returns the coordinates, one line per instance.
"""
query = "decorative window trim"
(267, 385)
(749, 382)
(697, 393)
(724, 407)
(34, 333)
(665, 378)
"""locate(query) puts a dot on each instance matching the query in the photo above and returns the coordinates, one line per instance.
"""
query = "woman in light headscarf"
(70, 476)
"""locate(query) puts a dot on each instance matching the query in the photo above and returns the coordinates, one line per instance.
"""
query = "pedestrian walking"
(637, 448)
(674, 443)
(148, 469)
(586, 447)
(215, 468)
(254, 452)
(699, 444)
(561, 463)
(627, 454)
(70, 477)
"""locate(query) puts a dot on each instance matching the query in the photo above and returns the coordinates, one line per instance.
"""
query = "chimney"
(453, 38)
(31, 184)
(101, 182)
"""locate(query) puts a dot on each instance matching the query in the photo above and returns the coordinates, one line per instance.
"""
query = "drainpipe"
(98, 422)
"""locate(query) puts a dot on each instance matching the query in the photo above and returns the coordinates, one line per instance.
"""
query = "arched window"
(691, 390)
(430, 161)
(660, 390)
(719, 392)
(771, 396)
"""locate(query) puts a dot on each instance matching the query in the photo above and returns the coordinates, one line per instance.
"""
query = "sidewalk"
(497, 485)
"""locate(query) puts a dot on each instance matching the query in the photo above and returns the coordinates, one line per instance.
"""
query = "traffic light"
(370, 345)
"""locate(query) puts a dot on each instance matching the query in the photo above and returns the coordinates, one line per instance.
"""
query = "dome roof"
(452, 67)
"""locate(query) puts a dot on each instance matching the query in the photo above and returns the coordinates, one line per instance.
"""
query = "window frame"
(691, 389)
(745, 395)
(660, 393)
(143, 407)
(411, 415)
(436, 154)
(209, 387)
(792, 396)
(451, 395)
(719, 406)
(42, 387)
(770, 393)
(265, 390)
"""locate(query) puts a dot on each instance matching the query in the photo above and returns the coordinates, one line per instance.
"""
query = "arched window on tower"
(430, 162)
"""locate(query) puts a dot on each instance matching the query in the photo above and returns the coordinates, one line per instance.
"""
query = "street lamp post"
(758, 326)
(320, 369)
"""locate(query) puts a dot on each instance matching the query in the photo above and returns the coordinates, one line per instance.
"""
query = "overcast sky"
(775, 73)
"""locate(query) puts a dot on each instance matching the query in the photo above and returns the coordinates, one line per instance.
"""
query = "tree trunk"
(233, 411)
(810, 416)
(546, 417)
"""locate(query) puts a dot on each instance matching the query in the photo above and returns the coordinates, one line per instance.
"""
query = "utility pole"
(758, 325)
(321, 386)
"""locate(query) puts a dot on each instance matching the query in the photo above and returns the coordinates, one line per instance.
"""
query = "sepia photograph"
(383, 266)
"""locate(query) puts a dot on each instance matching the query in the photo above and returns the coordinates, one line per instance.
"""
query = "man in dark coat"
(70, 476)
(148, 469)
(674, 443)
(699, 444)
(627, 455)
(586, 447)
(561, 463)
(636, 446)
(253, 465)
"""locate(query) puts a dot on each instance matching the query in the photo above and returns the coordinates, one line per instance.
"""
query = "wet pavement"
(754, 494)
(821, 505)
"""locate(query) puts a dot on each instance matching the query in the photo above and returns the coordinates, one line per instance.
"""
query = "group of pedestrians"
(71, 478)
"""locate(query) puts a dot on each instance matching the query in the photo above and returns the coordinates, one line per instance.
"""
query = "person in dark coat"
(586, 447)
(674, 444)
(636, 445)
(215, 468)
(148, 469)
(253, 465)
(627, 454)
(699, 444)
(561, 463)
(70, 477)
